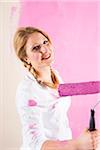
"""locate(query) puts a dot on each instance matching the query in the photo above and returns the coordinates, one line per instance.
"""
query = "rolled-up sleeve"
(31, 119)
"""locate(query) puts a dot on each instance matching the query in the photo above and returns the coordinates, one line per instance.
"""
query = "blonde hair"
(20, 40)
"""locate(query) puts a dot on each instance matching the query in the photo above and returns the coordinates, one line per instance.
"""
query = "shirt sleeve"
(30, 116)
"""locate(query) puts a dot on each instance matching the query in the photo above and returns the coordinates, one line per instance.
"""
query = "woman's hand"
(98, 140)
(87, 141)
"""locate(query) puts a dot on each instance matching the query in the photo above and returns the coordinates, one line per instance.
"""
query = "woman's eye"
(45, 42)
(36, 47)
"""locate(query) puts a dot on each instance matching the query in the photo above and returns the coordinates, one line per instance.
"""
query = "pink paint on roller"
(83, 88)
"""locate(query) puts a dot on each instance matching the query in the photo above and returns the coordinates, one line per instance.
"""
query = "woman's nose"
(44, 49)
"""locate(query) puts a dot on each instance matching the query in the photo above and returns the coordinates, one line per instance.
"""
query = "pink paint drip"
(34, 134)
(32, 102)
(32, 126)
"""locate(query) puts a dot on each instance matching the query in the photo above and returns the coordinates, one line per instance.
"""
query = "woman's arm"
(30, 116)
(84, 142)
(59, 145)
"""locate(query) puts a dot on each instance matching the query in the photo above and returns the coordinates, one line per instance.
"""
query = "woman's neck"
(45, 74)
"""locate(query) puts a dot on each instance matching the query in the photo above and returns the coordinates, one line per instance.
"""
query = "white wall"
(10, 132)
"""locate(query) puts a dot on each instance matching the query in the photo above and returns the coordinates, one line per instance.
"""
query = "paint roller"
(83, 88)
(92, 118)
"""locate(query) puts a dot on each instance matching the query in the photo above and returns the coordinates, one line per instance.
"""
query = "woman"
(42, 111)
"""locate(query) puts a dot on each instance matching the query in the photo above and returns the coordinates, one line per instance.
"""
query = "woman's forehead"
(36, 38)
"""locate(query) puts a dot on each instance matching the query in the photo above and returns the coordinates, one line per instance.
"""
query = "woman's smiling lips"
(46, 56)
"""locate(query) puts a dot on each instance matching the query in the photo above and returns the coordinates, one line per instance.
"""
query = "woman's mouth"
(46, 57)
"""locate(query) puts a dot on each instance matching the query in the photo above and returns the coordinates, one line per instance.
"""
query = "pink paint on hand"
(32, 102)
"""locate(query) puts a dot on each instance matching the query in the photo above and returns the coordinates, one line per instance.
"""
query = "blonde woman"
(45, 124)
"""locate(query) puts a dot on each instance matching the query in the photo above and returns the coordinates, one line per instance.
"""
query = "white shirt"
(42, 112)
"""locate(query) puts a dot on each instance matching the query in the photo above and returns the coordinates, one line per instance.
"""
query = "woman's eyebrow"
(35, 44)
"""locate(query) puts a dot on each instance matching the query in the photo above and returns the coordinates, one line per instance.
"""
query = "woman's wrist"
(77, 144)
(60, 145)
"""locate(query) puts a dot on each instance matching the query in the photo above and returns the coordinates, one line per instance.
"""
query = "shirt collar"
(30, 76)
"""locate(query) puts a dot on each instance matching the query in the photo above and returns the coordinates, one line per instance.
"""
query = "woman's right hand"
(87, 141)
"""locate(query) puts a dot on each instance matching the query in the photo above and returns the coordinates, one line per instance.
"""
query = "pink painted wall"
(74, 32)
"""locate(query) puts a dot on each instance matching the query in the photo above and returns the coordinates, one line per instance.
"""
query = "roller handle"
(92, 121)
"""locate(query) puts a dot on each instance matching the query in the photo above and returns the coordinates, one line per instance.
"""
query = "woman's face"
(39, 50)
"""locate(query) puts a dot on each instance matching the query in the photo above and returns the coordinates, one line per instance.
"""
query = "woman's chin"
(48, 62)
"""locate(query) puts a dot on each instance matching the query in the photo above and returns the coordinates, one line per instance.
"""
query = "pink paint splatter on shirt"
(34, 134)
(32, 126)
(32, 102)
